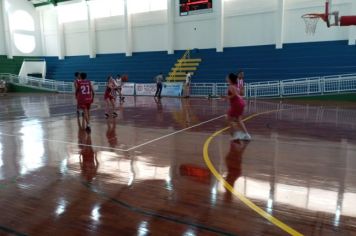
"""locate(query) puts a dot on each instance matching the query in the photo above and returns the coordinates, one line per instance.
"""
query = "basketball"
(125, 78)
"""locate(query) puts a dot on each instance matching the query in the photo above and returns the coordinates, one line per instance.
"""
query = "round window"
(23, 28)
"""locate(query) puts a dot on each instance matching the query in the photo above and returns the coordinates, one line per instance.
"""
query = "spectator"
(3, 86)
(188, 79)
(159, 80)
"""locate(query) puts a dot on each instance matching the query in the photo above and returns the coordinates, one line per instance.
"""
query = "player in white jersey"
(119, 84)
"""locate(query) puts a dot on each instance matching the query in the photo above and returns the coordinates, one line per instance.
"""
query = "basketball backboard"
(331, 17)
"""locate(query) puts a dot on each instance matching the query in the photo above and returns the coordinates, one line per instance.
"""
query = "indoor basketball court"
(153, 117)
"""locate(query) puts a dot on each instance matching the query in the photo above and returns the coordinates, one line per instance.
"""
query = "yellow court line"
(245, 200)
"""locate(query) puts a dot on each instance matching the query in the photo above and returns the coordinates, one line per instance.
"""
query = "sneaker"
(237, 136)
(106, 115)
(88, 129)
(114, 114)
(246, 137)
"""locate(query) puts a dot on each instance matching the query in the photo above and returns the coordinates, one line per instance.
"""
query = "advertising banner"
(128, 89)
(172, 89)
(169, 89)
(145, 89)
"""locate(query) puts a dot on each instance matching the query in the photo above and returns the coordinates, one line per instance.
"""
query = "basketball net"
(311, 21)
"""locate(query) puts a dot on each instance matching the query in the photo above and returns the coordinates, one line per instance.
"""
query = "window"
(23, 28)
(139, 6)
(106, 8)
(72, 12)
(157, 5)
(24, 43)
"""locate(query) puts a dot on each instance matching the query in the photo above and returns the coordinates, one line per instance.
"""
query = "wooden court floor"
(169, 168)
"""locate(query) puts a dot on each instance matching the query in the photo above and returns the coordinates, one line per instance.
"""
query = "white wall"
(246, 30)
(110, 35)
(76, 38)
(149, 31)
(49, 22)
(195, 34)
(246, 23)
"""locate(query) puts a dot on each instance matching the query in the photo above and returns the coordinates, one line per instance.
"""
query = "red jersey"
(110, 91)
(237, 103)
(84, 91)
(76, 82)
(76, 87)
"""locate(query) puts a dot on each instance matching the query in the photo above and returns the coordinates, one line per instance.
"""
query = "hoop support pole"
(347, 20)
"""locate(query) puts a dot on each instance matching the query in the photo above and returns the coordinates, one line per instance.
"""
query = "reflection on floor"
(136, 175)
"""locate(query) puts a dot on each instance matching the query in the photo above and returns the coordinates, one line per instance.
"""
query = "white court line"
(119, 149)
(176, 132)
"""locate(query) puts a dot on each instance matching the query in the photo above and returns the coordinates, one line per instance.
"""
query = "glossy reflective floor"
(143, 173)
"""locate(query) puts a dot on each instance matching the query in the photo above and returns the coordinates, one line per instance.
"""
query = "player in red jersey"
(85, 97)
(109, 96)
(237, 105)
(75, 83)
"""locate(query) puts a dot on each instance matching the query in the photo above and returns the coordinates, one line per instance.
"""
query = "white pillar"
(7, 29)
(219, 25)
(60, 38)
(43, 39)
(280, 24)
(170, 25)
(128, 30)
(91, 33)
(352, 29)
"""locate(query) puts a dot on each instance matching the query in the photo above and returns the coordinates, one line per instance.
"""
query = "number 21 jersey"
(84, 91)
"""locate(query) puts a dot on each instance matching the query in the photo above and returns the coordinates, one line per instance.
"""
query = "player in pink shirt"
(237, 105)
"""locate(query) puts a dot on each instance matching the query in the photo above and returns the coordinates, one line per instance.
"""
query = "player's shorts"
(236, 110)
(84, 105)
(109, 96)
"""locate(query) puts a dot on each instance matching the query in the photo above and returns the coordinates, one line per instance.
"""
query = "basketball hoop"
(311, 21)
